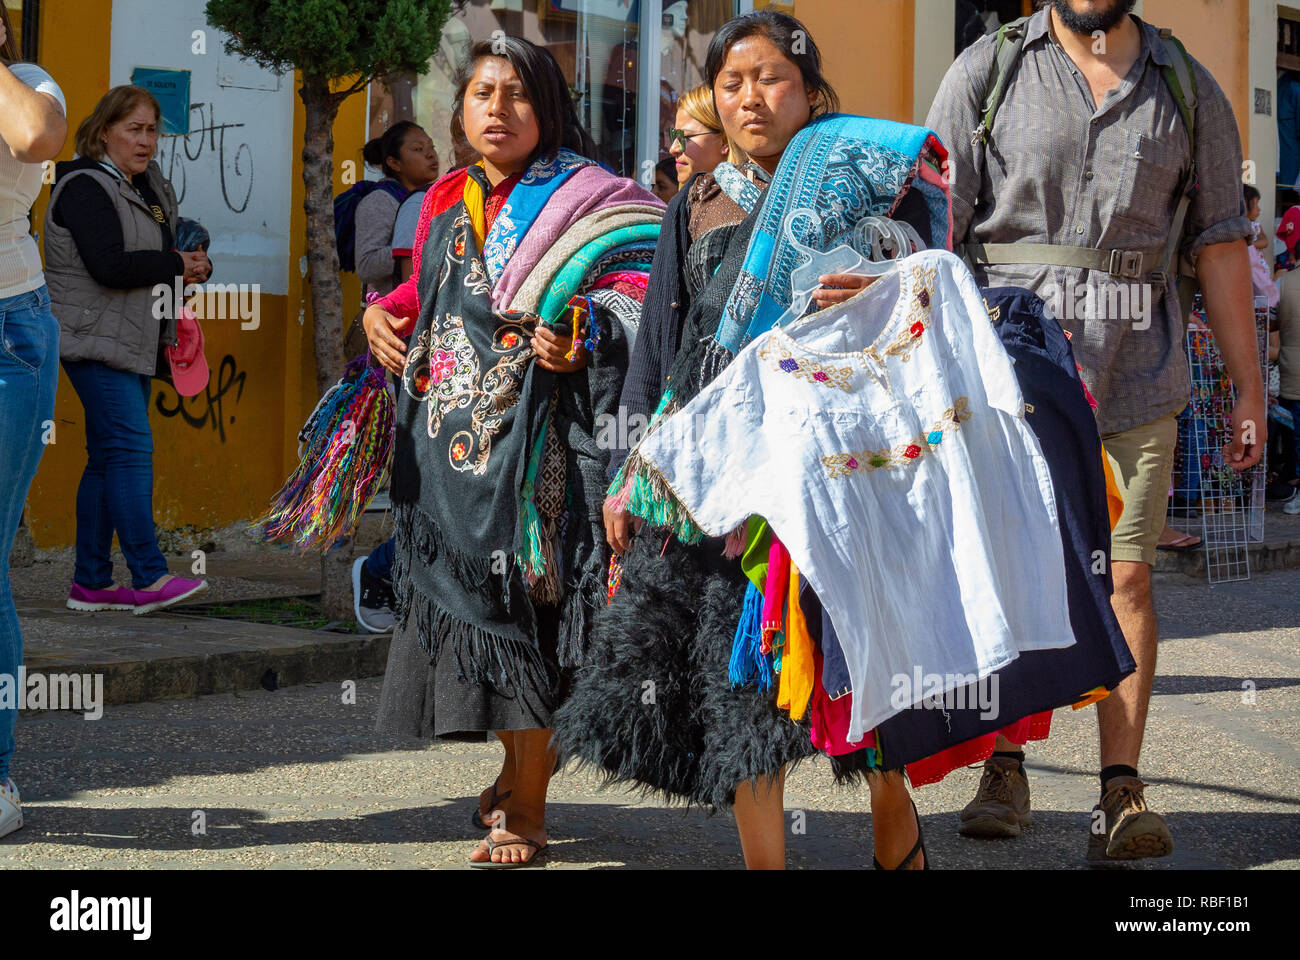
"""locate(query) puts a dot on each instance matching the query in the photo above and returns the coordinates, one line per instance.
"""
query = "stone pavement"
(296, 778)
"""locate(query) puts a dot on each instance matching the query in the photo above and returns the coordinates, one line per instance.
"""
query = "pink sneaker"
(173, 591)
(114, 598)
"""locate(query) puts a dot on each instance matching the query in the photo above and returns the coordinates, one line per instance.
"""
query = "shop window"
(976, 18)
(598, 46)
(23, 18)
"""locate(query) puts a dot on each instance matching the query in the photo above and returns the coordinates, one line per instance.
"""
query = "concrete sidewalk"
(175, 653)
(1279, 550)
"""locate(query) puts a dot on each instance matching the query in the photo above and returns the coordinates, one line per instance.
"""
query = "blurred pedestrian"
(32, 131)
(109, 239)
(406, 155)
(698, 143)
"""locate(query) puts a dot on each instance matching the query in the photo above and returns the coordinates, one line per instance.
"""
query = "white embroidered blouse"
(884, 441)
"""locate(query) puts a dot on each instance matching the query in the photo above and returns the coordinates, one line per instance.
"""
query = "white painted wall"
(933, 37)
(233, 172)
(1263, 129)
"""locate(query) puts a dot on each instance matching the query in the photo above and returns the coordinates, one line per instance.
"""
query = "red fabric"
(935, 768)
(632, 277)
(631, 290)
(830, 727)
(449, 189)
(497, 199)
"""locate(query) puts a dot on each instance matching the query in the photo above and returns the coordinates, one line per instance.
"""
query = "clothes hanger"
(873, 249)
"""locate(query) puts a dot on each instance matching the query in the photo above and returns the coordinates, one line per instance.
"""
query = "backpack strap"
(1181, 80)
(1180, 77)
(1006, 54)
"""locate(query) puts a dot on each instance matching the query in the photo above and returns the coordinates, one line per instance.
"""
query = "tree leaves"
(355, 40)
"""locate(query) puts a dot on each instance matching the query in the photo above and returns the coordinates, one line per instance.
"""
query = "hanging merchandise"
(1230, 503)
(885, 443)
(1016, 700)
(345, 450)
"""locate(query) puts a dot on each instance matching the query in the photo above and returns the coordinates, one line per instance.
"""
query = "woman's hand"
(850, 283)
(382, 330)
(197, 266)
(551, 348)
(619, 529)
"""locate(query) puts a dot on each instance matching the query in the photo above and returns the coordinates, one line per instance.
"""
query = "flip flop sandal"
(476, 818)
(540, 848)
(1181, 543)
(918, 847)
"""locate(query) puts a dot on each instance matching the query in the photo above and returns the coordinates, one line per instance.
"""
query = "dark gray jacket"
(120, 328)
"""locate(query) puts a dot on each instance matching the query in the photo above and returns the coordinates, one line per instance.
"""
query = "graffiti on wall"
(208, 409)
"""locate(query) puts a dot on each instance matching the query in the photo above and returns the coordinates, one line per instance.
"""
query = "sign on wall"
(171, 88)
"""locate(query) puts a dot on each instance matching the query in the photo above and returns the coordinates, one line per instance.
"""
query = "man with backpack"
(1094, 162)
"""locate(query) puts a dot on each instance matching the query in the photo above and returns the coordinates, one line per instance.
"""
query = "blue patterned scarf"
(527, 200)
(844, 168)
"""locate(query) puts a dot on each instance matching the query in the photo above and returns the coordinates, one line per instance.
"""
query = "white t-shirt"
(20, 261)
(884, 441)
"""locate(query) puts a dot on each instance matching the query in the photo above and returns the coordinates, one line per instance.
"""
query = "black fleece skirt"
(651, 705)
(424, 699)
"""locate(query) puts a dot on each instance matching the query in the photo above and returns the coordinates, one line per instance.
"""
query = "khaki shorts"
(1142, 459)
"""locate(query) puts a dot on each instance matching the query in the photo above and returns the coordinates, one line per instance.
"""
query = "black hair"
(388, 145)
(1250, 193)
(668, 167)
(790, 37)
(547, 90)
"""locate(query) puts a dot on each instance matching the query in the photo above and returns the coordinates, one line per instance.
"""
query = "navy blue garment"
(1058, 413)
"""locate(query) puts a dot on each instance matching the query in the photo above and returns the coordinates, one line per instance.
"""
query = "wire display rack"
(1229, 503)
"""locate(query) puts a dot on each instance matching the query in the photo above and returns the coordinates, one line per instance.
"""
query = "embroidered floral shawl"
(473, 410)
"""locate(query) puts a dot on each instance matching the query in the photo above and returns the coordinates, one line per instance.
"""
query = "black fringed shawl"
(471, 406)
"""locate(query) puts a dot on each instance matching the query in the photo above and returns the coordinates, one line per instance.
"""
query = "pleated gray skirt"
(431, 700)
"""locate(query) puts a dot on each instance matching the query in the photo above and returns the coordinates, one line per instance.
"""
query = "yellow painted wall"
(866, 50)
(215, 462)
(1217, 33)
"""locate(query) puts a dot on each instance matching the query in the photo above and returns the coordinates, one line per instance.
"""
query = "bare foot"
(517, 852)
(1175, 539)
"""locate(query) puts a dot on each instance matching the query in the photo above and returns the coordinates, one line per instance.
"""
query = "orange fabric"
(797, 659)
(1114, 500)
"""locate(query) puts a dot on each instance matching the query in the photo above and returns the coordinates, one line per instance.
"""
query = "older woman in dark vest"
(109, 233)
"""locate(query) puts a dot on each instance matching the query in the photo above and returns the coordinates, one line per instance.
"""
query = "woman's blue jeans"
(116, 491)
(29, 374)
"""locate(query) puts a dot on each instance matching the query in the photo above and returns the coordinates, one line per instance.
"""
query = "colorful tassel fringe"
(345, 453)
(747, 663)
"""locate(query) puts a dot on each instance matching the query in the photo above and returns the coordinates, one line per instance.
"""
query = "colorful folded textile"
(345, 449)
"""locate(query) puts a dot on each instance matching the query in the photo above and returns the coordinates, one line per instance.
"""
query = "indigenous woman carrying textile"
(699, 737)
(497, 476)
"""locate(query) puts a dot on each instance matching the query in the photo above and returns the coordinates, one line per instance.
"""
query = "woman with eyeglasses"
(698, 143)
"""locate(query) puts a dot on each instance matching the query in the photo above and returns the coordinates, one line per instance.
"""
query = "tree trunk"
(320, 108)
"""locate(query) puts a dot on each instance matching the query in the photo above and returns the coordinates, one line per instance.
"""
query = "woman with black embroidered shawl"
(497, 477)
(699, 738)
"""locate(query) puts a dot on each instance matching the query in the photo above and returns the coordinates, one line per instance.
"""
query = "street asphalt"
(295, 777)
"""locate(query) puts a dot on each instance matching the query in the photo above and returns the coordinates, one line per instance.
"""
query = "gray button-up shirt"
(1059, 169)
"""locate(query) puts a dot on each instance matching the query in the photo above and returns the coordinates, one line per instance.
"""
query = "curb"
(320, 658)
(1262, 557)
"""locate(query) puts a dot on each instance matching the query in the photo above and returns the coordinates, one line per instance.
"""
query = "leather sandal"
(918, 847)
(476, 818)
(539, 848)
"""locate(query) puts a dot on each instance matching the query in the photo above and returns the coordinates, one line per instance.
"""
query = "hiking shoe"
(92, 601)
(11, 811)
(1123, 828)
(372, 599)
(1001, 805)
(172, 591)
